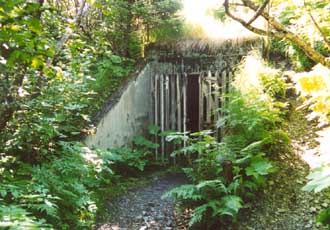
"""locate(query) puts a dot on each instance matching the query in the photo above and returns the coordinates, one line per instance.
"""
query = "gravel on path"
(143, 208)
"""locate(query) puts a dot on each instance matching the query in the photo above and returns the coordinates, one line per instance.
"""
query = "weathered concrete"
(130, 114)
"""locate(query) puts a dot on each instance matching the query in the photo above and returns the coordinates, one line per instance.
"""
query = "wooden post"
(173, 105)
(201, 100)
(167, 110)
(227, 166)
(230, 79)
(167, 103)
(217, 103)
(156, 110)
(216, 94)
(209, 101)
(184, 92)
(178, 102)
(162, 116)
(223, 99)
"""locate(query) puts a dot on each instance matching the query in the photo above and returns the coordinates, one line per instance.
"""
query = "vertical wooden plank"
(167, 103)
(216, 102)
(230, 79)
(209, 102)
(173, 107)
(223, 87)
(167, 109)
(219, 82)
(173, 100)
(201, 100)
(162, 115)
(178, 102)
(216, 94)
(184, 92)
(223, 99)
(156, 109)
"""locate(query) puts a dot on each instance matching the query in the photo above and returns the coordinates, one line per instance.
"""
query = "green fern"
(184, 192)
(14, 217)
(230, 205)
(198, 214)
(216, 185)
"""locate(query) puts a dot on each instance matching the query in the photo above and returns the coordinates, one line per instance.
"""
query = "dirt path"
(282, 205)
(143, 208)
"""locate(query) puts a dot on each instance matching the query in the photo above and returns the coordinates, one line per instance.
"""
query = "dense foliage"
(59, 61)
(301, 26)
(226, 175)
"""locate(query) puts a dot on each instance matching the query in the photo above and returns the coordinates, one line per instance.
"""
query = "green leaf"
(324, 217)
(184, 192)
(231, 204)
(255, 146)
(35, 25)
(116, 59)
(319, 179)
(198, 214)
(143, 142)
(258, 166)
(153, 129)
(3, 193)
(216, 184)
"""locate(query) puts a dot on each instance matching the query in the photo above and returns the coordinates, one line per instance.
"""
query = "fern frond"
(184, 192)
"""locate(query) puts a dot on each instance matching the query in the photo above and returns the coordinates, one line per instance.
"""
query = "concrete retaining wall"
(130, 114)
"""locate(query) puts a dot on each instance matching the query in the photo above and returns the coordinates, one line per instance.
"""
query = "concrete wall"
(130, 114)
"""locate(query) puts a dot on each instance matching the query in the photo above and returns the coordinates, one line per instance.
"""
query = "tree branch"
(280, 31)
(244, 23)
(326, 41)
(259, 11)
(69, 31)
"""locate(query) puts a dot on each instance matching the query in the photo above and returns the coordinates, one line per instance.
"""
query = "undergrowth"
(59, 62)
(225, 175)
(67, 191)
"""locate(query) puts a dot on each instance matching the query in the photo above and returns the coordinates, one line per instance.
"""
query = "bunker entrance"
(188, 102)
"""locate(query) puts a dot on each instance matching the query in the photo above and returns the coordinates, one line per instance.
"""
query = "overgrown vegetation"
(226, 175)
(59, 61)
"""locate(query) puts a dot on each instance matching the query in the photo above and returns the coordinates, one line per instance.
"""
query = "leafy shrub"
(214, 194)
(290, 52)
(68, 179)
(225, 175)
(62, 191)
(55, 74)
(129, 161)
(15, 217)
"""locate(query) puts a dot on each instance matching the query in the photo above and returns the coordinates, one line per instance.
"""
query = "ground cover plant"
(226, 174)
(59, 63)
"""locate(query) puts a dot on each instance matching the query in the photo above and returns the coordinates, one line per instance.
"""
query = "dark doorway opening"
(193, 103)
